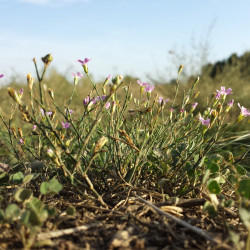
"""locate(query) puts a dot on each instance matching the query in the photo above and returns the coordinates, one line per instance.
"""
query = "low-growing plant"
(157, 145)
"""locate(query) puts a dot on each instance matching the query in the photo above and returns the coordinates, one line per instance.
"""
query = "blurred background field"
(233, 72)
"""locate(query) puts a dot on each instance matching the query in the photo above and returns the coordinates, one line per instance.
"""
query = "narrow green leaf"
(245, 216)
(28, 178)
(241, 170)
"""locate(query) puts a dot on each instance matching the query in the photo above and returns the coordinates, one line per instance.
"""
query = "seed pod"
(101, 142)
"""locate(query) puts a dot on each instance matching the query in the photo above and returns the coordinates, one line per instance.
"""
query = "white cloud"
(53, 2)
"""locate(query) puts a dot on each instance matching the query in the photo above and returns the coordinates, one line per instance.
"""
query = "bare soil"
(129, 223)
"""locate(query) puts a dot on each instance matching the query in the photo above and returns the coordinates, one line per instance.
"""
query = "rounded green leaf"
(23, 194)
(213, 167)
(214, 187)
(55, 186)
(4, 178)
(244, 188)
(210, 208)
(44, 188)
(31, 218)
(34, 204)
(12, 212)
(18, 177)
(51, 187)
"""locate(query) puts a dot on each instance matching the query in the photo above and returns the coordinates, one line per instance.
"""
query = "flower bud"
(180, 68)
(186, 100)
(47, 59)
(195, 95)
(106, 80)
(193, 107)
(13, 129)
(85, 68)
(219, 108)
(13, 94)
(26, 117)
(51, 93)
(196, 81)
(20, 132)
(171, 113)
(30, 81)
(51, 154)
(117, 80)
(229, 105)
(130, 96)
(22, 141)
(214, 116)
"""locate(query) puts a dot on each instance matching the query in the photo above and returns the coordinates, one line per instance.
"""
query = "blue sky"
(121, 36)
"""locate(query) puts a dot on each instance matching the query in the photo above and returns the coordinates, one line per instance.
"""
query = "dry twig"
(59, 233)
(197, 230)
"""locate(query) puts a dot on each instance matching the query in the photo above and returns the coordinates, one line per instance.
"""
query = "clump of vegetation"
(117, 147)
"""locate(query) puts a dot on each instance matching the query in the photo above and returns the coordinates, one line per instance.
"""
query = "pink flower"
(70, 111)
(85, 61)
(2, 75)
(66, 125)
(95, 100)
(48, 113)
(161, 99)
(230, 103)
(217, 95)
(21, 141)
(98, 98)
(244, 111)
(107, 105)
(86, 101)
(140, 83)
(84, 64)
(42, 112)
(224, 92)
(77, 75)
(149, 89)
(194, 105)
(204, 122)
(34, 127)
